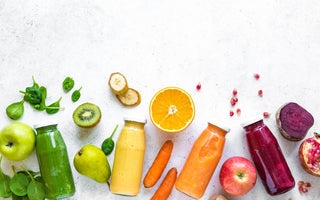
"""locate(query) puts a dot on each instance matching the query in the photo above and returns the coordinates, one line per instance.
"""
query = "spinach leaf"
(68, 84)
(35, 190)
(76, 95)
(32, 95)
(4, 183)
(54, 107)
(15, 110)
(35, 85)
(108, 144)
(15, 197)
(19, 183)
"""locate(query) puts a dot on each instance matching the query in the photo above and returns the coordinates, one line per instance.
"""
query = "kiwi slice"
(87, 115)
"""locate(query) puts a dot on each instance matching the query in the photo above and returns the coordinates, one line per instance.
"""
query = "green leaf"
(68, 84)
(39, 179)
(15, 110)
(54, 107)
(19, 184)
(36, 190)
(108, 144)
(32, 95)
(42, 105)
(76, 95)
(4, 184)
(35, 85)
(15, 197)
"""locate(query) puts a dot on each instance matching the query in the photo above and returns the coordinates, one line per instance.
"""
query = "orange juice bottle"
(202, 161)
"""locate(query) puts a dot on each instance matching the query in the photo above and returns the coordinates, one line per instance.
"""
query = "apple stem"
(10, 144)
(240, 174)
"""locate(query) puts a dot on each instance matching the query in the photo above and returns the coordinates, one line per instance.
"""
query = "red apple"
(237, 176)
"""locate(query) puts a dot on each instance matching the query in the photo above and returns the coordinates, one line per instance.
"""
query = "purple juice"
(268, 158)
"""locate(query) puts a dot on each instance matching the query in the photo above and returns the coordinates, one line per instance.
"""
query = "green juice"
(54, 163)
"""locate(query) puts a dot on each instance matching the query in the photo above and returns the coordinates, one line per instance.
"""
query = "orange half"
(172, 109)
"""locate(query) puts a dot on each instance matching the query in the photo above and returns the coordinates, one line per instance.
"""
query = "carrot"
(158, 165)
(166, 186)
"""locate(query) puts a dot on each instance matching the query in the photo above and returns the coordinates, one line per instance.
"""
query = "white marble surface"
(158, 44)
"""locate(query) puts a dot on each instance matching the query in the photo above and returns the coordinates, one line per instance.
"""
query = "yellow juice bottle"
(128, 160)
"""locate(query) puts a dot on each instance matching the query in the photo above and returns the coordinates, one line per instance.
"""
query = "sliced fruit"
(309, 155)
(131, 98)
(118, 83)
(172, 109)
(87, 115)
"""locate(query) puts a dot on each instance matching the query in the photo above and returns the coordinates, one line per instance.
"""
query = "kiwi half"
(87, 115)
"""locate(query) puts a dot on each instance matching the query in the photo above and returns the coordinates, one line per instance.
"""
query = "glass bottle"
(202, 161)
(268, 158)
(54, 162)
(128, 159)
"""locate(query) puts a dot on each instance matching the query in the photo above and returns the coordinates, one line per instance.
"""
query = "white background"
(156, 44)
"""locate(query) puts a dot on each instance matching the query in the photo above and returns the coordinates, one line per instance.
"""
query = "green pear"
(90, 161)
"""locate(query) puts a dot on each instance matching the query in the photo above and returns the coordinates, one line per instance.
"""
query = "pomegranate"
(309, 155)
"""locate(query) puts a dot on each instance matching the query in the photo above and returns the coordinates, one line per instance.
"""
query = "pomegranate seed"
(233, 101)
(260, 92)
(198, 86)
(257, 76)
(300, 183)
(300, 189)
(305, 190)
(234, 92)
(266, 114)
(307, 184)
(231, 113)
(238, 111)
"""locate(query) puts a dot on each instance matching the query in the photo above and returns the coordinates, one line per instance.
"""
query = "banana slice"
(131, 98)
(118, 83)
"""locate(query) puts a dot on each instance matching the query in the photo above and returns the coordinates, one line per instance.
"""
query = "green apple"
(17, 141)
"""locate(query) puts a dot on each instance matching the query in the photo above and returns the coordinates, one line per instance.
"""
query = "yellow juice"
(128, 160)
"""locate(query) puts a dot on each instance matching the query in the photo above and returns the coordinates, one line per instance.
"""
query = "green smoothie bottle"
(54, 162)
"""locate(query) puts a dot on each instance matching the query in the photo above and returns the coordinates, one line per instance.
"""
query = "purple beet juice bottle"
(268, 158)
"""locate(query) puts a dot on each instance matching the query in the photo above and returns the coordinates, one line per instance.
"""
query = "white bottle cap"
(139, 119)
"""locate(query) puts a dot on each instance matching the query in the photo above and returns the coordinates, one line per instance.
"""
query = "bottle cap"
(48, 123)
(222, 127)
(251, 121)
(139, 119)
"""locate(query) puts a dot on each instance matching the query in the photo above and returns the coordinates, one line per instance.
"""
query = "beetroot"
(294, 121)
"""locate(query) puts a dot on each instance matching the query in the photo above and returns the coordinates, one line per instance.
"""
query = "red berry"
(300, 189)
(257, 76)
(233, 101)
(238, 111)
(305, 190)
(231, 113)
(266, 114)
(198, 86)
(300, 183)
(307, 184)
(234, 92)
(260, 92)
